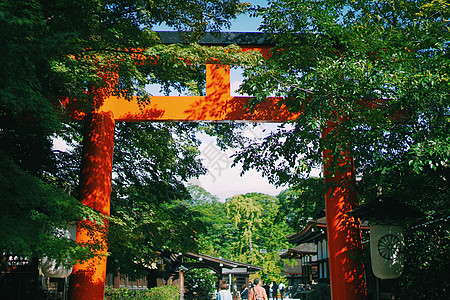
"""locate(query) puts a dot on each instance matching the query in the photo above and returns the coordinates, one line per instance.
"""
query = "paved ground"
(286, 298)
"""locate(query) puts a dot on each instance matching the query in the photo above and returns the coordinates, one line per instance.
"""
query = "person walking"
(224, 294)
(274, 290)
(266, 286)
(257, 292)
(236, 295)
(282, 289)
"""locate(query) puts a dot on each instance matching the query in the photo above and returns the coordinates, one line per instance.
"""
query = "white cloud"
(224, 181)
(229, 183)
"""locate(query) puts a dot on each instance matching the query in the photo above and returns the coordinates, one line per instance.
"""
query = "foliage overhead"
(302, 202)
(54, 51)
(376, 71)
(374, 76)
(57, 49)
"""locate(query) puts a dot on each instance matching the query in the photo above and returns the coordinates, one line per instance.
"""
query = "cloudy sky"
(224, 181)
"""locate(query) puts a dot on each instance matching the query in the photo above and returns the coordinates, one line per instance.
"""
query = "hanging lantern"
(387, 237)
(386, 250)
(49, 267)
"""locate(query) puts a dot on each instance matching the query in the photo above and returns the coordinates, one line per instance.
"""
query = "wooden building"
(315, 267)
(297, 266)
(172, 267)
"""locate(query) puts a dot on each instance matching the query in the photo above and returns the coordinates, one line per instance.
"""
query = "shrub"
(200, 283)
(321, 291)
(166, 292)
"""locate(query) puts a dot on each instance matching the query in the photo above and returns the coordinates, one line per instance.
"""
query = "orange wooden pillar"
(344, 233)
(87, 281)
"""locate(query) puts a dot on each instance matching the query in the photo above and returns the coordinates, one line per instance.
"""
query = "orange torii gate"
(344, 237)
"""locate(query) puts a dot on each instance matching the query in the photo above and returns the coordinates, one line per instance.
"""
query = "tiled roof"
(219, 38)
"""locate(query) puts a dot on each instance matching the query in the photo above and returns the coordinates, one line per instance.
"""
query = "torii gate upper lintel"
(87, 280)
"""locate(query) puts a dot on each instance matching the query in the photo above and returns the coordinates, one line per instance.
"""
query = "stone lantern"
(386, 217)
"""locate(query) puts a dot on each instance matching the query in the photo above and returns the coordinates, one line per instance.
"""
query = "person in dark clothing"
(274, 290)
(266, 286)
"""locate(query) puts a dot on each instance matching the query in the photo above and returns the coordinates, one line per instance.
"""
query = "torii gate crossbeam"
(87, 280)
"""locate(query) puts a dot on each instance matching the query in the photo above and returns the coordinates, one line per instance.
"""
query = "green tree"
(59, 52)
(338, 59)
(245, 213)
(200, 283)
(34, 214)
(376, 72)
(252, 220)
(216, 232)
(301, 202)
(258, 226)
(200, 196)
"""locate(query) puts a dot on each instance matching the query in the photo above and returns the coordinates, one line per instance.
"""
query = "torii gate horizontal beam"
(217, 105)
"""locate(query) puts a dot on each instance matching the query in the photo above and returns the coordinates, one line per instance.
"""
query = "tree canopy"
(56, 53)
(376, 69)
(374, 76)
(249, 228)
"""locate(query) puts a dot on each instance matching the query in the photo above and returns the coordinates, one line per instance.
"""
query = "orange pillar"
(344, 233)
(87, 281)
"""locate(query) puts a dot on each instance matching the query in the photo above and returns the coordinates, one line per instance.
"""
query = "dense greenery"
(428, 245)
(375, 75)
(200, 284)
(328, 70)
(34, 213)
(59, 52)
(165, 292)
(252, 228)
(302, 202)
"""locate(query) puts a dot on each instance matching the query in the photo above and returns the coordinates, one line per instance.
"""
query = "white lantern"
(386, 250)
(49, 267)
(387, 240)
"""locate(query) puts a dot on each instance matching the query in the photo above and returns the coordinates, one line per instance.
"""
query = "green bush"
(166, 292)
(321, 291)
(200, 283)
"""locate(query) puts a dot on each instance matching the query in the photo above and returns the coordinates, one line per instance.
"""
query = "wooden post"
(116, 281)
(344, 233)
(181, 276)
(87, 281)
